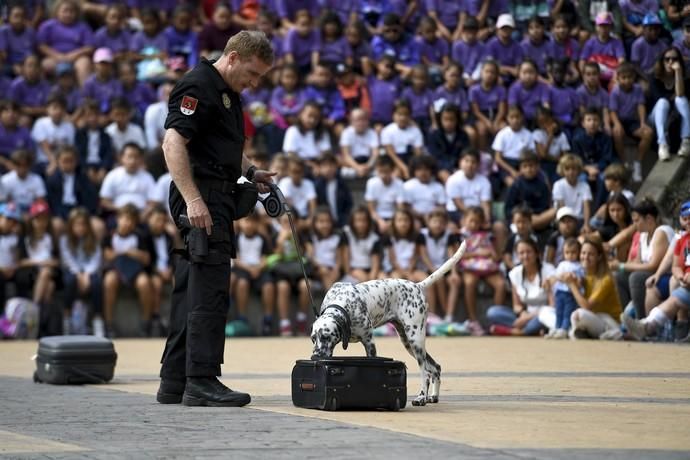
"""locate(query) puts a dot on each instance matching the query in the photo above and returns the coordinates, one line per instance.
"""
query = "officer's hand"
(263, 179)
(198, 215)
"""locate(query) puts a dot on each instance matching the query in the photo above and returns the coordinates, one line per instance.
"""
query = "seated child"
(615, 180)
(362, 257)
(438, 241)
(299, 191)
(570, 191)
(359, 145)
(22, 186)
(382, 193)
(402, 248)
(568, 225)
(521, 229)
(509, 144)
(94, 145)
(423, 193)
(160, 267)
(531, 189)
(324, 248)
(10, 228)
(565, 301)
(402, 139)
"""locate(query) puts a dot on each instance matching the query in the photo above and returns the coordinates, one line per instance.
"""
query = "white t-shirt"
(401, 139)
(646, 242)
(559, 144)
(298, 195)
(472, 192)
(360, 144)
(133, 133)
(361, 249)
(436, 248)
(572, 196)
(8, 250)
(154, 123)
(250, 249)
(121, 244)
(385, 196)
(123, 188)
(532, 293)
(45, 130)
(305, 145)
(326, 249)
(423, 197)
(511, 143)
(23, 191)
(161, 191)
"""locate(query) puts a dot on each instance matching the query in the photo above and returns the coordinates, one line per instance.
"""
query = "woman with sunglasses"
(667, 89)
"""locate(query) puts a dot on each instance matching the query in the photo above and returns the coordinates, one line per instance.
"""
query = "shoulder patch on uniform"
(188, 105)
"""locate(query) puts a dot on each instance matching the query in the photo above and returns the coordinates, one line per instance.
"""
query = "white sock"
(301, 316)
(656, 318)
(284, 323)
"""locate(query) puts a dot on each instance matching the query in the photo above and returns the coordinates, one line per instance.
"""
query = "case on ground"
(75, 359)
(349, 383)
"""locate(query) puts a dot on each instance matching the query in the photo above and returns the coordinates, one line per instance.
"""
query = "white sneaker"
(637, 172)
(684, 147)
(612, 334)
(98, 327)
(664, 152)
(637, 329)
(550, 334)
(560, 334)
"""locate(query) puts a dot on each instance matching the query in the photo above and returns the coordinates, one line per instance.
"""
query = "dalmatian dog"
(350, 312)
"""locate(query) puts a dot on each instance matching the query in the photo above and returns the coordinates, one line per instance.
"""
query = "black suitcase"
(349, 383)
(75, 359)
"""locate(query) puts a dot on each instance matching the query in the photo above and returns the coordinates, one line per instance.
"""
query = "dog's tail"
(443, 269)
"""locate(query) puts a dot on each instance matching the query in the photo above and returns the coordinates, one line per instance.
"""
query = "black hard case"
(349, 383)
(75, 359)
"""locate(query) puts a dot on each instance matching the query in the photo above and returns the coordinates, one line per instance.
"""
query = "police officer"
(203, 150)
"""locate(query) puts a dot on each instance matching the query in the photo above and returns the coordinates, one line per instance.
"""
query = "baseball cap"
(685, 209)
(38, 207)
(102, 55)
(10, 211)
(603, 18)
(505, 20)
(651, 19)
(565, 211)
(63, 68)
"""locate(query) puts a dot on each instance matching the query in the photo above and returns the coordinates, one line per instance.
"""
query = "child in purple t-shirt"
(138, 93)
(12, 136)
(17, 39)
(30, 90)
(591, 94)
(629, 116)
(66, 38)
(301, 42)
(563, 100)
(488, 103)
(420, 97)
(286, 98)
(452, 92)
(563, 46)
(603, 48)
(469, 51)
(332, 45)
(528, 92)
(433, 51)
(113, 34)
(384, 89)
(102, 86)
(149, 43)
(324, 92)
(646, 49)
(355, 33)
(503, 49)
(536, 46)
(183, 41)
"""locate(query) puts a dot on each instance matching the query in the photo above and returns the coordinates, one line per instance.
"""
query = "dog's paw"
(432, 399)
(419, 401)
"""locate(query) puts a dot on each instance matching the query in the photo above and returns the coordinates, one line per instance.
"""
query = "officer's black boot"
(209, 391)
(170, 391)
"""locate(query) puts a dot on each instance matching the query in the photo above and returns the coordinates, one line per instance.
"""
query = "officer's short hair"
(248, 43)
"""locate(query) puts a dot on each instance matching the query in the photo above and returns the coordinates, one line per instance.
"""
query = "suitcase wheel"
(396, 405)
(35, 377)
(332, 404)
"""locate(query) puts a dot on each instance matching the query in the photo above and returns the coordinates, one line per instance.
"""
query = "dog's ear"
(343, 330)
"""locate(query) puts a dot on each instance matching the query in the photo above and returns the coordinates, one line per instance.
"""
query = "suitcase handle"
(307, 386)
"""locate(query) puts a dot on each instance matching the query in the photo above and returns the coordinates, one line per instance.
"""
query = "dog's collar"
(346, 328)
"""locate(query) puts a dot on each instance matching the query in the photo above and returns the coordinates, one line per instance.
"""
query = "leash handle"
(295, 238)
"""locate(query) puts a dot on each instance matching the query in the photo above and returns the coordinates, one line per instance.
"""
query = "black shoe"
(208, 391)
(170, 391)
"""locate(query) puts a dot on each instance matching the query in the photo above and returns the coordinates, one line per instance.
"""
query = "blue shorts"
(682, 294)
(662, 285)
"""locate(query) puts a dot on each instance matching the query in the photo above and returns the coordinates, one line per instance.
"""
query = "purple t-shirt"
(101, 91)
(529, 99)
(17, 46)
(117, 43)
(141, 41)
(625, 104)
(457, 97)
(419, 102)
(277, 43)
(471, 7)
(72, 97)
(262, 95)
(301, 47)
(64, 38)
(433, 52)
(184, 44)
(564, 103)
(599, 99)
(360, 51)
(166, 5)
(448, 11)
(288, 8)
(645, 54)
(330, 100)
(141, 95)
(468, 55)
(570, 48)
(634, 11)
(684, 50)
(334, 51)
(539, 53)
(286, 104)
(507, 55)
(404, 50)
(498, 7)
(383, 94)
(11, 140)
(487, 101)
(29, 95)
(594, 49)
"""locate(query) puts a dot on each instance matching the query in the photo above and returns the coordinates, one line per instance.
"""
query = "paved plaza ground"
(501, 398)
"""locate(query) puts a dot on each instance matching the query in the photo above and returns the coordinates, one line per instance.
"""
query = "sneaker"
(285, 329)
(612, 334)
(636, 328)
(550, 334)
(267, 326)
(637, 172)
(498, 329)
(475, 328)
(664, 152)
(684, 150)
(560, 334)
(98, 327)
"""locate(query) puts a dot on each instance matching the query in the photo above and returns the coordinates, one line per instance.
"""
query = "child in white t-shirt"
(308, 139)
(122, 131)
(570, 191)
(423, 193)
(359, 144)
(564, 299)
(51, 132)
(299, 192)
(382, 193)
(21, 185)
(129, 183)
(550, 142)
(466, 187)
(402, 139)
(509, 144)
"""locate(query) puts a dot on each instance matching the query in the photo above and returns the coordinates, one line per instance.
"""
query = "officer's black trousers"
(200, 301)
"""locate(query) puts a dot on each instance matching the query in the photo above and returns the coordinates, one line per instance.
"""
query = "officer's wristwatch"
(250, 173)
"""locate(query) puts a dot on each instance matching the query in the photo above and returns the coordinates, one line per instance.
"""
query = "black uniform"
(206, 111)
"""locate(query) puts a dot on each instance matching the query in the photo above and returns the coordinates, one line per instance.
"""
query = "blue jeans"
(505, 316)
(659, 116)
(565, 306)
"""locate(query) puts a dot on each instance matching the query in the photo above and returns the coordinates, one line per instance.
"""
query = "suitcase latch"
(305, 386)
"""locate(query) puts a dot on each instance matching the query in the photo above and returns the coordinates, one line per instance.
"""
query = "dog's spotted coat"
(373, 303)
